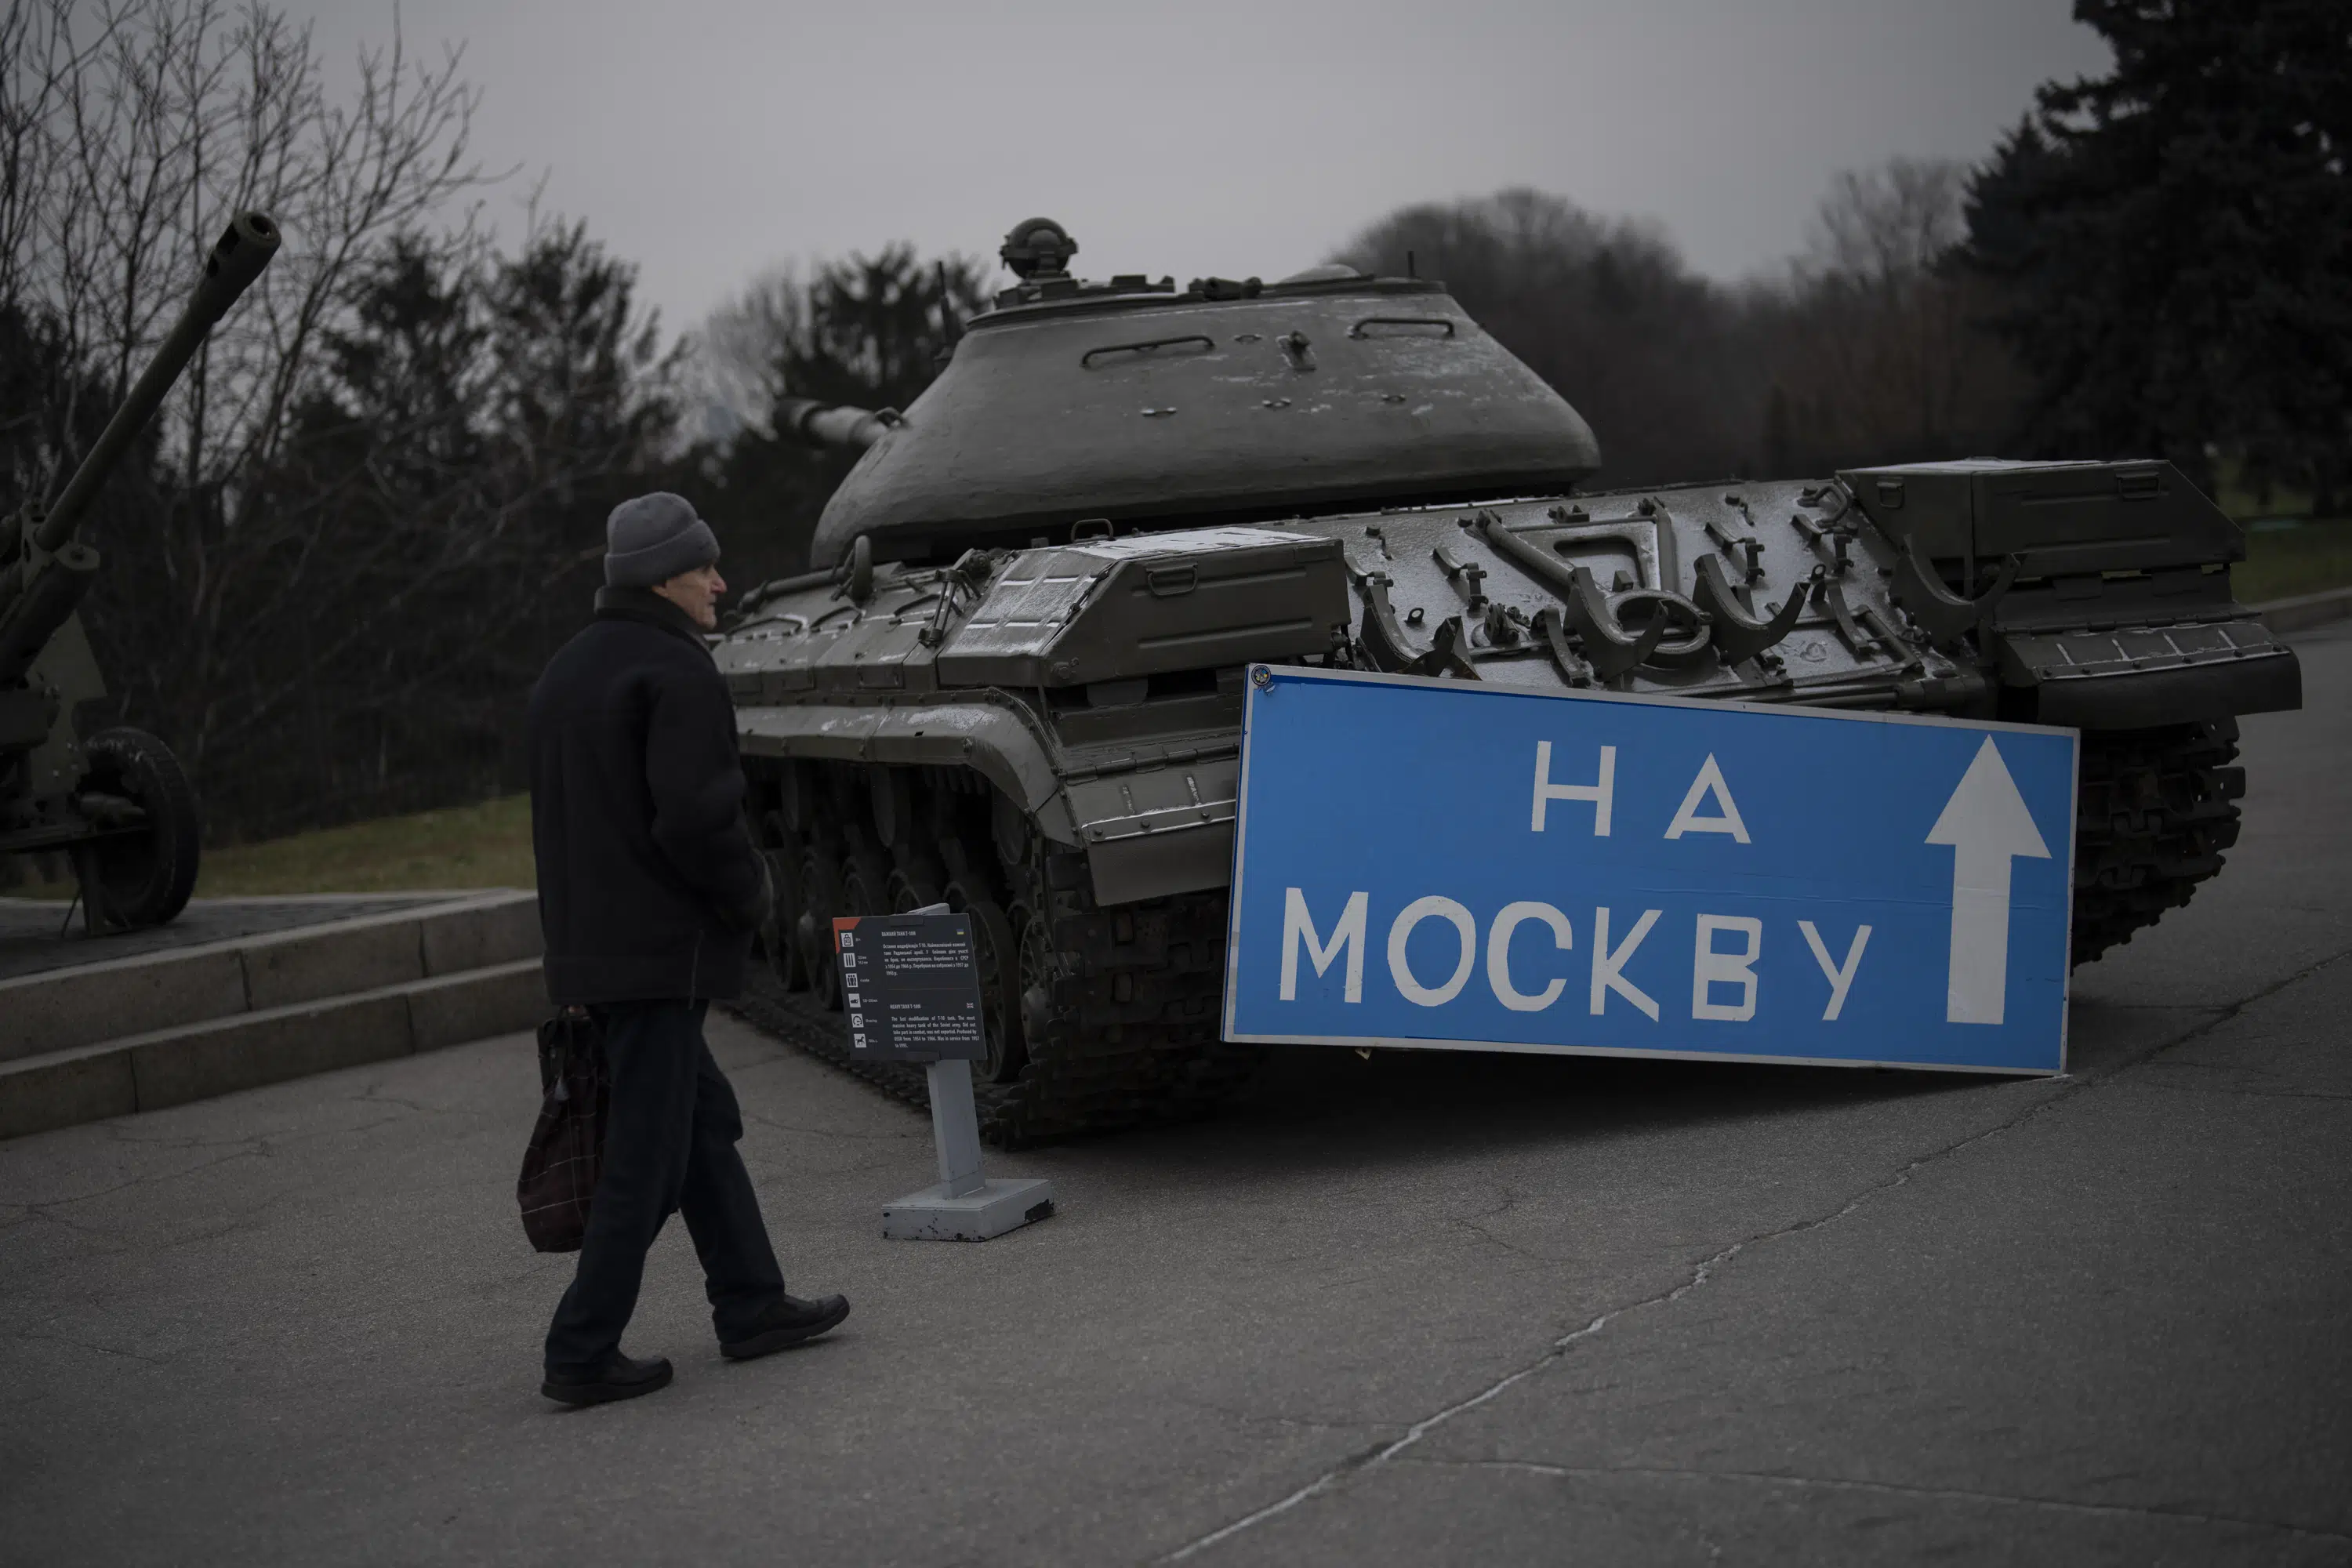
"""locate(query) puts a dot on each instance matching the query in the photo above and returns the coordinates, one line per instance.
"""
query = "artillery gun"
(117, 801)
(1014, 681)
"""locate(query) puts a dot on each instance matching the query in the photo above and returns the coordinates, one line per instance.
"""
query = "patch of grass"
(2283, 563)
(485, 845)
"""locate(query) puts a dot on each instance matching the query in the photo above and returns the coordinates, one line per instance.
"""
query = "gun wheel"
(139, 876)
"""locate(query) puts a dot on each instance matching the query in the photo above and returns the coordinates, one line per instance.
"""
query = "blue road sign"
(1450, 864)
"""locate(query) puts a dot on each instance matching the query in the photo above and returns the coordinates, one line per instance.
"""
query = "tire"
(144, 875)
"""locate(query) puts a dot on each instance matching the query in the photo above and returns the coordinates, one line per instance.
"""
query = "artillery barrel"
(833, 425)
(43, 607)
(246, 247)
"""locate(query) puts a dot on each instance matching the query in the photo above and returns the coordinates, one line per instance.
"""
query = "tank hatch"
(1137, 402)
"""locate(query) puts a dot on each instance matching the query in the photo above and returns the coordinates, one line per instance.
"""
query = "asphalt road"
(1420, 1309)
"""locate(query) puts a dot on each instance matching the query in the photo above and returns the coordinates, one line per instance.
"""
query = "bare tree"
(862, 327)
(738, 351)
(1885, 228)
(1880, 350)
(130, 131)
(1604, 310)
(133, 130)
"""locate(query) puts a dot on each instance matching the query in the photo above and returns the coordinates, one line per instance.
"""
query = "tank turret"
(1013, 682)
(1223, 401)
(119, 803)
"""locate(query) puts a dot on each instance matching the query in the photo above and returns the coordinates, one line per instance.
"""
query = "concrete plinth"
(937, 1215)
(964, 1205)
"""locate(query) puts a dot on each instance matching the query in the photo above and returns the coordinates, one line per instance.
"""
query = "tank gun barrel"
(229, 269)
(834, 424)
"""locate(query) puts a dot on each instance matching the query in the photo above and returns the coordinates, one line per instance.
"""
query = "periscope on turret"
(1013, 679)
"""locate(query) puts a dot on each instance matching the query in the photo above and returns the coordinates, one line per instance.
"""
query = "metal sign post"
(1490, 868)
(910, 990)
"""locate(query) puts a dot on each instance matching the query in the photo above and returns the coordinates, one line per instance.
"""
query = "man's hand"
(755, 915)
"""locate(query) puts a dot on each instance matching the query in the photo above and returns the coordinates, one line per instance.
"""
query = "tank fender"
(2140, 676)
(1162, 828)
(993, 736)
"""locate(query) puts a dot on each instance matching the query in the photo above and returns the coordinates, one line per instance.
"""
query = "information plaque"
(910, 987)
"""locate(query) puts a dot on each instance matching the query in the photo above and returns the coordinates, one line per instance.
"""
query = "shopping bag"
(567, 1146)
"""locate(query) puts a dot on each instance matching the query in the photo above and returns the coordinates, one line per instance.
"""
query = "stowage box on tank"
(1014, 681)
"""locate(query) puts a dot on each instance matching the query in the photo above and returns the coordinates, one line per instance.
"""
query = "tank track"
(2156, 810)
(1128, 1036)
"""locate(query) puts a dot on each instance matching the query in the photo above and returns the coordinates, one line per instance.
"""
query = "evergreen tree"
(872, 332)
(2176, 241)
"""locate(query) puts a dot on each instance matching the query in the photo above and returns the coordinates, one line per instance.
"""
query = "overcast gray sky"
(707, 139)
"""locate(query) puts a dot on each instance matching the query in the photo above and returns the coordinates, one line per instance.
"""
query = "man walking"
(649, 888)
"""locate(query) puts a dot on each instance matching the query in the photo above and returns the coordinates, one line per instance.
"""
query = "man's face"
(697, 593)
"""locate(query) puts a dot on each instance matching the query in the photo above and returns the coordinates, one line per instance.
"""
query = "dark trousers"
(669, 1144)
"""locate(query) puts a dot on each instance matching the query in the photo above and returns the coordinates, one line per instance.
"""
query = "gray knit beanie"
(654, 538)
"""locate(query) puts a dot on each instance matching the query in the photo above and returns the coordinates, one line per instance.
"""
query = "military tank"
(1012, 680)
(118, 803)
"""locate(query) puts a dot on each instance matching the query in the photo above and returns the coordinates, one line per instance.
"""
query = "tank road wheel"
(998, 957)
(866, 884)
(1035, 968)
(908, 893)
(780, 938)
(140, 876)
(864, 890)
(821, 900)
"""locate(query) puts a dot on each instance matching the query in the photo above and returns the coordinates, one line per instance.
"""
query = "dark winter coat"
(648, 883)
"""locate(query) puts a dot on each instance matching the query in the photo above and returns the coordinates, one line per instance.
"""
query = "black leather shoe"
(787, 1323)
(615, 1377)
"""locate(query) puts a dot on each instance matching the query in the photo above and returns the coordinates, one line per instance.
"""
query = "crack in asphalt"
(83, 1345)
(2245, 1092)
(250, 1149)
(770, 1121)
(1250, 1418)
(1883, 1488)
(1475, 1225)
(258, 1146)
(373, 1094)
(2067, 1086)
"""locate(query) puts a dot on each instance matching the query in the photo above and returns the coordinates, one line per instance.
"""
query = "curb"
(2304, 611)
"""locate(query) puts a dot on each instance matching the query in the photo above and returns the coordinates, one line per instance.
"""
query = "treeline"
(1876, 346)
(376, 502)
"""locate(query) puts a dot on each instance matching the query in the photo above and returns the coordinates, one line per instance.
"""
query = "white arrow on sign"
(1986, 824)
